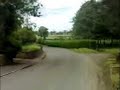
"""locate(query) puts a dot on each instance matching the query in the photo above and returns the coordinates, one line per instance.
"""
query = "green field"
(58, 37)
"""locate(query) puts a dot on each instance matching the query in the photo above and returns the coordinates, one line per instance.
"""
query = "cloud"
(58, 14)
(55, 11)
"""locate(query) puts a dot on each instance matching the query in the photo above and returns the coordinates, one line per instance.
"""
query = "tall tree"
(12, 14)
(83, 21)
(98, 20)
(113, 17)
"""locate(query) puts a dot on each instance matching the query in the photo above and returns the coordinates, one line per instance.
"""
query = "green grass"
(69, 43)
(115, 78)
(83, 43)
(113, 65)
(85, 50)
(58, 37)
(113, 51)
(31, 48)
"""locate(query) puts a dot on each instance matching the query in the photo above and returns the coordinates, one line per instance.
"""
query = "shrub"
(12, 47)
(31, 48)
(39, 40)
(25, 36)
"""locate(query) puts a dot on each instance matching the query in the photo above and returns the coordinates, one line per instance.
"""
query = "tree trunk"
(104, 43)
(111, 42)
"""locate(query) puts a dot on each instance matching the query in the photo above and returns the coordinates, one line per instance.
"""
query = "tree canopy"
(43, 32)
(98, 20)
(12, 14)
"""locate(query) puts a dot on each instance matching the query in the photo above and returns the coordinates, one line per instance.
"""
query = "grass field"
(57, 37)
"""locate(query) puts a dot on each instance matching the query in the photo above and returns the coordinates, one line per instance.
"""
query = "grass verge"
(113, 51)
(85, 50)
(114, 67)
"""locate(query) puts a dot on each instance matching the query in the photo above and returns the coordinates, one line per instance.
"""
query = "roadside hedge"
(70, 43)
(85, 43)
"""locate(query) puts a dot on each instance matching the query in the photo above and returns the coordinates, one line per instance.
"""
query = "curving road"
(62, 69)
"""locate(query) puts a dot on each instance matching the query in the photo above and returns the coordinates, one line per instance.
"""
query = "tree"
(91, 21)
(43, 32)
(113, 16)
(83, 21)
(53, 32)
(98, 20)
(12, 14)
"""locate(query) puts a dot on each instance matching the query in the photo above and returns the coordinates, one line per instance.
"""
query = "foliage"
(43, 32)
(39, 40)
(12, 14)
(98, 20)
(113, 16)
(25, 36)
(83, 21)
(70, 43)
(31, 48)
(83, 43)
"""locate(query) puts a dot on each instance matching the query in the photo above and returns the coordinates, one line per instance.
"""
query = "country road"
(62, 69)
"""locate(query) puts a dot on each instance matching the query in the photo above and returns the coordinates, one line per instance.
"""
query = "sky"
(57, 14)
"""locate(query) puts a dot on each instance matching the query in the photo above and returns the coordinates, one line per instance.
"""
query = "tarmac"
(20, 64)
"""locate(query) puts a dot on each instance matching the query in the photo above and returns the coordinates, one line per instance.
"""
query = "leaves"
(98, 20)
(43, 32)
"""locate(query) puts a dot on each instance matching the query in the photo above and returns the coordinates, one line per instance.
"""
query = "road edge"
(43, 56)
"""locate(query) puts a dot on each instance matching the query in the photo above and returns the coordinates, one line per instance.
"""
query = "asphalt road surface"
(62, 69)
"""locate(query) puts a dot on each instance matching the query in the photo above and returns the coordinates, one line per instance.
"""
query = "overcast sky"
(58, 14)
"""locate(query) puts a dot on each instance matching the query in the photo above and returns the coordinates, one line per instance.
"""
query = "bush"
(31, 48)
(25, 36)
(12, 47)
(39, 40)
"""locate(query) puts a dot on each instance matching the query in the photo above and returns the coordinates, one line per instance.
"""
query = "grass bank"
(114, 68)
(31, 48)
(30, 51)
(113, 51)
